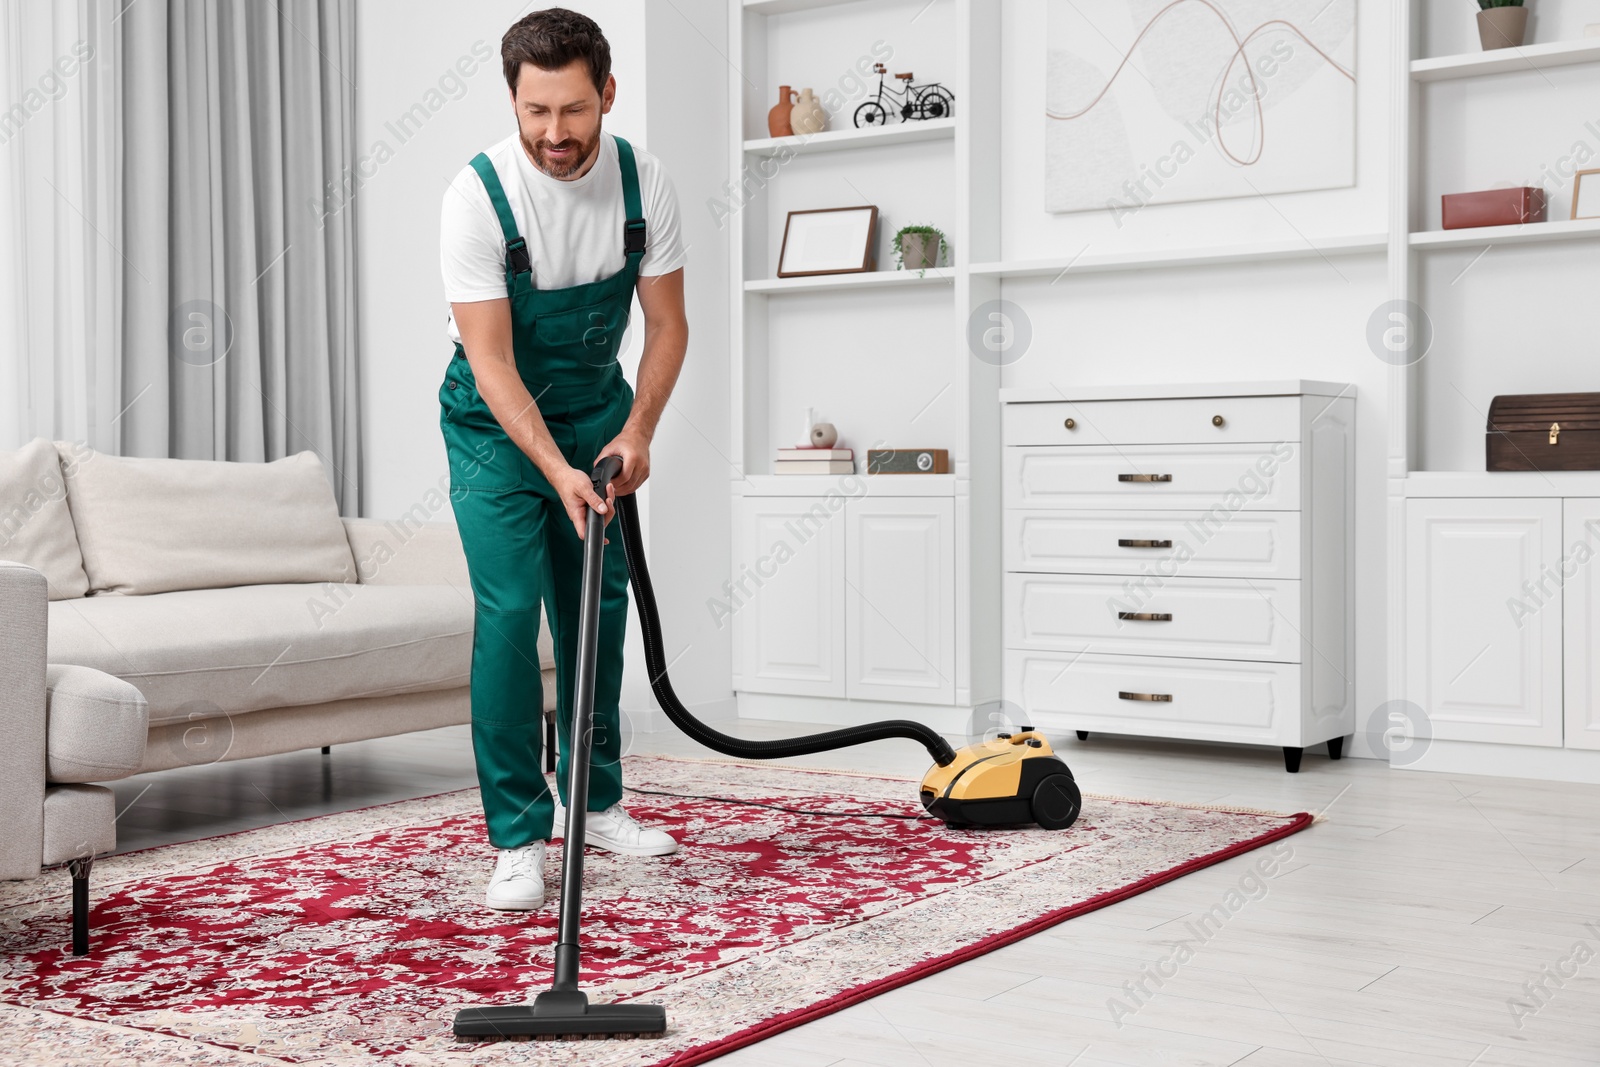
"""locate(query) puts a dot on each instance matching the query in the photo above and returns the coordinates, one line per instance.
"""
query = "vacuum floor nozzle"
(561, 1014)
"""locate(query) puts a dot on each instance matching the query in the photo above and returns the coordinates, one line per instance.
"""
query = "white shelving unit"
(887, 609)
(1261, 251)
(1463, 545)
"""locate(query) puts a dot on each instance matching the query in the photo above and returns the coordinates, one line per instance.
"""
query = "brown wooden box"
(908, 461)
(1544, 432)
(1494, 207)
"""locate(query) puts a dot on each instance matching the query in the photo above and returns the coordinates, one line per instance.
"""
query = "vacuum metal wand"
(566, 976)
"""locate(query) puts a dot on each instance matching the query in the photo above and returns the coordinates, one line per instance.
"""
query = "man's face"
(558, 116)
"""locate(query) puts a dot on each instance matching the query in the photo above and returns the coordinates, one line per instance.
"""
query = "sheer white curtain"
(60, 223)
(176, 276)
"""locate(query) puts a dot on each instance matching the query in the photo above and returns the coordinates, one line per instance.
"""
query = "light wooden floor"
(1401, 932)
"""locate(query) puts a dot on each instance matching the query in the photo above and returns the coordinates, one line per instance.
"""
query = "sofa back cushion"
(159, 525)
(35, 522)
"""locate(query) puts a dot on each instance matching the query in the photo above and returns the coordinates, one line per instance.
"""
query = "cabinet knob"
(1218, 421)
(1071, 424)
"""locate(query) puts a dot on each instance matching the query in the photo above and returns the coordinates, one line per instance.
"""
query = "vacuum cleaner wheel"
(1057, 802)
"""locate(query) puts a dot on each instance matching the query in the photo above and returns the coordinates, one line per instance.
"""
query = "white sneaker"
(518, 880)
(616, 831)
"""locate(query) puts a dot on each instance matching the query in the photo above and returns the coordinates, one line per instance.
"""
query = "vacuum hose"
(656, 658)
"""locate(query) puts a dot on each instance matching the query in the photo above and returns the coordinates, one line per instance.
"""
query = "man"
(544, 239)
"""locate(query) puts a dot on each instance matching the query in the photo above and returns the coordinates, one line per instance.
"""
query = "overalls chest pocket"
(590, 334)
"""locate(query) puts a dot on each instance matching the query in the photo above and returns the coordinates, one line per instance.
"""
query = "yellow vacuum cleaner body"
(1012, 780)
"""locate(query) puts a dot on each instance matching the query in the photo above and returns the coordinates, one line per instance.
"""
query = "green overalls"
(520, 545)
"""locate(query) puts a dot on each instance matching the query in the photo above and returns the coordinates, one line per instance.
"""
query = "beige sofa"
(213, 611)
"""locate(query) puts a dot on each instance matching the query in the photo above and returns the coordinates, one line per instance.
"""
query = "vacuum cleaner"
(1013, 779)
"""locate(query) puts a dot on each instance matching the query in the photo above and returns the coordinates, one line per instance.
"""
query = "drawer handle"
(1146, 616)
(1135, 542)
(1218, 421)
(1144, 477)
(1071, 424)
(1158, 698)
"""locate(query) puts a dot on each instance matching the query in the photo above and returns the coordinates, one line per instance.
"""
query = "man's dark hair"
(551, 39)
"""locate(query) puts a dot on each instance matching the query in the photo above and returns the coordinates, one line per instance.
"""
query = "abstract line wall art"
(1165, 101)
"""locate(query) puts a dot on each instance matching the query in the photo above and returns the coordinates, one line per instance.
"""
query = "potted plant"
(1501, 23)
(918, 247)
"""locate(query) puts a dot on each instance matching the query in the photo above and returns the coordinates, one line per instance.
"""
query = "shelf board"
(819, 484)
(854, 137)
(1532, 57)
(1261, 251)
(782, 7)
(1528, 233)
(1502, 484)
(872, 279)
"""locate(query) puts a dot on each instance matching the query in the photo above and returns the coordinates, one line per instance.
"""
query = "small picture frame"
(1586, 194)
(832, 240)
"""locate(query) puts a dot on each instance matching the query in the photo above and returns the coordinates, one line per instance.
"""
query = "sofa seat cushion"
(96, 725)
(160, 525)
(202, 652)
(35, 520)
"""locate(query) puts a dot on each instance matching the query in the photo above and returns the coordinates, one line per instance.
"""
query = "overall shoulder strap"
(633, 231)
(516, 247)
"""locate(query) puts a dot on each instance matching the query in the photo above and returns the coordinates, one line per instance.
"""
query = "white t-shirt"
(573, 229)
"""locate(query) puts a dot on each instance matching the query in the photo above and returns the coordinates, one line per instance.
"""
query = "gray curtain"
(239, 325)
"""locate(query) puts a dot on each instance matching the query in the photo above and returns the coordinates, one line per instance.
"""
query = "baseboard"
(949, 719)
(1509, 761)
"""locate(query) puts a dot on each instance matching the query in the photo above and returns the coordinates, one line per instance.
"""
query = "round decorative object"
(823, 435)
(1071, 424)
(1218, 421)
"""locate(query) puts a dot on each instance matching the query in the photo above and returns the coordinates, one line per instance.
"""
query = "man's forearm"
(518, 413)
(664, 349)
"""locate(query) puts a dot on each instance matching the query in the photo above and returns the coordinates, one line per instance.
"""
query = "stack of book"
(802, 460)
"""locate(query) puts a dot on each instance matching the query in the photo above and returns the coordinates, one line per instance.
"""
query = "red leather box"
(1494, 207)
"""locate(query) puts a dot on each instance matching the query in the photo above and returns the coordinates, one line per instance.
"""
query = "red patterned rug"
(353, 938)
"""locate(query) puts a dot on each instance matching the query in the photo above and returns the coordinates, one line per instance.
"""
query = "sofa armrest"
(403, 552)
(24, 627)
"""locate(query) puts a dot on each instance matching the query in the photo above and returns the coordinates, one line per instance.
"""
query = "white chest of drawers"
(1178, 561)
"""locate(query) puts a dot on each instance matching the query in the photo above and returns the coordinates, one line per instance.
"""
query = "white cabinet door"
(900, 566)
(787, 597)
(1580, 599)
(1483, 641)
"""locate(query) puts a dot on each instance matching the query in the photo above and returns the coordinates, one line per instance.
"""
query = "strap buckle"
(517, 256)
(633, 236)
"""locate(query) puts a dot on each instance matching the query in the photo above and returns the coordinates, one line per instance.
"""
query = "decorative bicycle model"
(930, 101)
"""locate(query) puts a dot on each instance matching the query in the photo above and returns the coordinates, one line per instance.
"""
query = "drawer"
(1243, 544)
(1209, 700)
(1150, 615)
(1216, 479)
(1178, 421)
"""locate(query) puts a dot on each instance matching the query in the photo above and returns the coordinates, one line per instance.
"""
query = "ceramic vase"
(807, 117)
(778, 118)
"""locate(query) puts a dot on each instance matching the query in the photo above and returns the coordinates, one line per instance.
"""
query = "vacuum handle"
(604, 471)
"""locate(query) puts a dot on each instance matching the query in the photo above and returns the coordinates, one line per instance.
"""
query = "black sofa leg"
(80, 904)
(1336, 748)
(1083, 735)
(327, 749)
(1291, 759)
